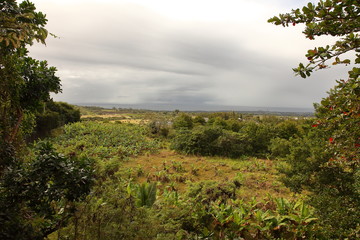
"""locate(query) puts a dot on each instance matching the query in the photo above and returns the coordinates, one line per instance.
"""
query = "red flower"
(357, 145)
(315, 125)
(331, 140)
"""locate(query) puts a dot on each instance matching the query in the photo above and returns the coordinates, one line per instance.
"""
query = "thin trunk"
(10, 138)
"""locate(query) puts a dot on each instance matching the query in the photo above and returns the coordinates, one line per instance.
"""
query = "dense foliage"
(208, 210)
(37, 197)
(326, 160)
(36, 190)
(25, 82)
(235, 138)
(53, 115)
(107, 143)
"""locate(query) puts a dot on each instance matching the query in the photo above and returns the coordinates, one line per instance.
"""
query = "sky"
(203, 52)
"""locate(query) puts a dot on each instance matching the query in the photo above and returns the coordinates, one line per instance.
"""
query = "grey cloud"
(116, 52)
(180, 95)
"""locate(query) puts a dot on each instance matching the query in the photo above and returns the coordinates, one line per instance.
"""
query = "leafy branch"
(330, 17)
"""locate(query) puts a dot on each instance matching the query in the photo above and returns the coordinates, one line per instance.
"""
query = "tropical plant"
(146, 194)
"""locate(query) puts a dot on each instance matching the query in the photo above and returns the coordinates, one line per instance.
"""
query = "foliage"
(331, 174)
(206, 213)
(54, 115)
(159, 128)
(231, 138)
(209, 210)
(21, 25)
(211, 141)
(210, 191)
(326, 160)
(26, 82)
(110, 212)
(105, 140)
(327, 17)
(37, 196)
(36, 192)
(146, 194)
(183, 121)
(279, 147)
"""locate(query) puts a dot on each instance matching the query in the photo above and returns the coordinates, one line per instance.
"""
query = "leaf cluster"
(328, 17)
(36, 196)
(20, 25)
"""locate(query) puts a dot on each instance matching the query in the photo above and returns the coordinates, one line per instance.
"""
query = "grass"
(258, 177)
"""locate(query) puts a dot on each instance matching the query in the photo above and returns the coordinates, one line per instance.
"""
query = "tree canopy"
(327, 161)
(25, 82)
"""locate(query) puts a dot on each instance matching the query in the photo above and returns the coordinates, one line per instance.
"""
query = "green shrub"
(279, 147)
(211, 141)
(183, 121)
(38, 196)
(201, 140)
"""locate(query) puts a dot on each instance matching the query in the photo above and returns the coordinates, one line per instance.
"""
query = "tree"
(36, 190)
(326, 162)
(25, 82)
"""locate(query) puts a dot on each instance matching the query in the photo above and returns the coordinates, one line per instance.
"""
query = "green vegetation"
(120, 174)
(235, 138)
(52, 116)
(325, 161)
(38, 187)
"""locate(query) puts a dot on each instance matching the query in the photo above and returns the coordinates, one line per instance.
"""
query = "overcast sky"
(219, 52)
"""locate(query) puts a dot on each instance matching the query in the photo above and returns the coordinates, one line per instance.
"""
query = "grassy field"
(257, 177)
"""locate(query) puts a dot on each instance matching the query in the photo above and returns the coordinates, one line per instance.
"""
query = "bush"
(183, 121)
(279, 147)
(38, 196)
(201, 140)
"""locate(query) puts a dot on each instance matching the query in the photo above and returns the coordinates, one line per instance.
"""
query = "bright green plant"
(105, 140)
(146, 194)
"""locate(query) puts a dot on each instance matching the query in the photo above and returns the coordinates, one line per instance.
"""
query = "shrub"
(279, 147)
(183, 121)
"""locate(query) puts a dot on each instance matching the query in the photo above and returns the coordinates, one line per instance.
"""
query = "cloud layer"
(207, 52)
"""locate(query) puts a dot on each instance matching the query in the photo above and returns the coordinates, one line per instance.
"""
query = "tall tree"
(36, 196)
(25, 82)
(327, 161)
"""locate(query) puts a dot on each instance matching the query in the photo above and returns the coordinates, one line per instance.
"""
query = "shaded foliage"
(36, 196)
(53, 115)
